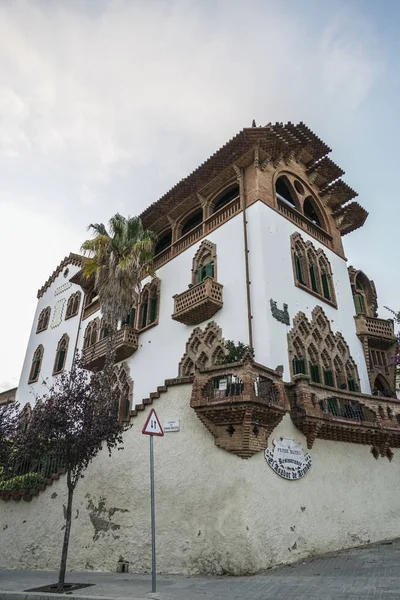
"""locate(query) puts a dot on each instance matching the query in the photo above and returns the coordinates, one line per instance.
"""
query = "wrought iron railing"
(27, 474)
(347, 409)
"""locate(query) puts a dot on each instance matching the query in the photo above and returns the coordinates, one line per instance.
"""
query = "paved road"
(359, 574)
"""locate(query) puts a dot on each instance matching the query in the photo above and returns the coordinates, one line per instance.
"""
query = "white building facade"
(249, 249)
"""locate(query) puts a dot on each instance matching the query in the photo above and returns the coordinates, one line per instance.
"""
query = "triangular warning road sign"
(152, 425)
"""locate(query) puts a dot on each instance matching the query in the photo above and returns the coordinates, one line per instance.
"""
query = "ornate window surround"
(314, 275)
(43, 321)
(36, 364)
(206, 254)
(62, 347)
(92, 333)
(308, 194)
(203, 349)
(123, 381)
(314, 348)
(73, 305)
(148, 305)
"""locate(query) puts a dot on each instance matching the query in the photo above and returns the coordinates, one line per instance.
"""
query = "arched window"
(311, 211)
(192, 221)
(91, 333)
(225, 198)
(312, 269)
(36, 364)
(149, 304)
(381, 387)
(284, 192)
(73, 305)
(43, 321)
(204, 262)
(91, 296)
(164, 242)
(61, 354)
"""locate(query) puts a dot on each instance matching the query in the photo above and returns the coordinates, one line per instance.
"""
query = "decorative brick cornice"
(72, 259)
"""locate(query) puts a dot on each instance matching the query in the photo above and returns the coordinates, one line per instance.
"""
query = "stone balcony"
(125, 343)
(199, 303)
(240, 404)
(344, 416)
(379, 331)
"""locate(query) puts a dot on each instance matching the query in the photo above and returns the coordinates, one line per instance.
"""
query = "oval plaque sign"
(288, 459)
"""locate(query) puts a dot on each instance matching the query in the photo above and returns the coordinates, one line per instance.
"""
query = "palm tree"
(119, 259)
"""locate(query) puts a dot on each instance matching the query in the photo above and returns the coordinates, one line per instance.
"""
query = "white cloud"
(104, 105)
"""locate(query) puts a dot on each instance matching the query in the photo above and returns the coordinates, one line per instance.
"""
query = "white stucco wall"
(271, 274)
(215, 512)
(161, 347)
(50, 337)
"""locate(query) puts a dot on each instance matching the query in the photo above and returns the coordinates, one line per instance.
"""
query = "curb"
(39, 596)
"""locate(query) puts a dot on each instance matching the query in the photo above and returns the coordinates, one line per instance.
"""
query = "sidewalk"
(366, 573)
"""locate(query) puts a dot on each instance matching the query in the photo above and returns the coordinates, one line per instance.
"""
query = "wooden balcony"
(199, 303)
(344, 416)
(212, 222)
(378, 331)
(299, 219)
(91, 308)
(240, 404)
(125, 343)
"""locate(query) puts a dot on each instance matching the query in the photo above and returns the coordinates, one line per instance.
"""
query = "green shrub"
(21, 482)
(235, 352)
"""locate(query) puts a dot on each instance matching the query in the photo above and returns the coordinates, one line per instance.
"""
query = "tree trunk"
(68, 518)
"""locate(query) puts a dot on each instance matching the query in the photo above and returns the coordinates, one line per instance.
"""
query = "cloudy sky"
(105, 104)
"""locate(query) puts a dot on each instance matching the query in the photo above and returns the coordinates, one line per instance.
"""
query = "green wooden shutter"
(36, 369)
(328, 378)
(209, 269)
(325, 286)
(359, 304)
(199, 274)
(60, 360)
(144, 315)
(299, 269)
(132, 315)
(352, 385)
(153, 310)
(299, 366)
(333, 406)
(314, 373)
(313, 278)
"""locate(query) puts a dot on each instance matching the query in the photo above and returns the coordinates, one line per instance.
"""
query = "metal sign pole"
(153, 520)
